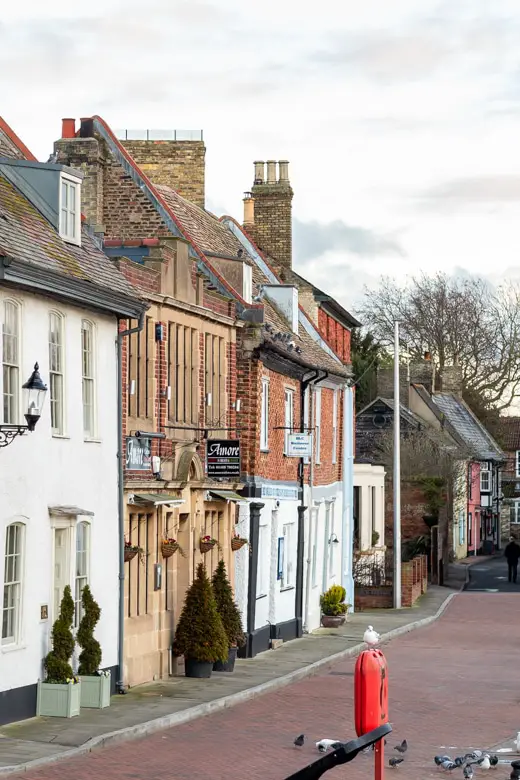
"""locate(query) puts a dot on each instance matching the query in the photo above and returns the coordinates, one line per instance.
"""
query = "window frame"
(15, 367)
(486, 472)
(317, 425)
(287, 581)
(264, 415)
(90, 434)
(60, 430)
(247, 283)
(70, 182)
(517, 464)
(332, 545)
(16, 639)
(84, 576)
(288, 417)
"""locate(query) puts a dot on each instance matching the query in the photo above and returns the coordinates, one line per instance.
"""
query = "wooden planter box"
(58, 701)
(95, 691)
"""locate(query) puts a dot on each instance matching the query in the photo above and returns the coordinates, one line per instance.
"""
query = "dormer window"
(247, 291)
(70, 209)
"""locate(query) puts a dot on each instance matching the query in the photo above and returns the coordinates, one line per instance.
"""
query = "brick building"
(510, 435)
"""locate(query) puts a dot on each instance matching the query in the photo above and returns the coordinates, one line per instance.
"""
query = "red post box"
(371, 699)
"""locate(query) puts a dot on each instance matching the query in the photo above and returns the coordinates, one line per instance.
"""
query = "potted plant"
(131, 550)
(169, 546)
(200, 636)
(95, 683)
(59, 695)
(207, 543)
(333, 608)
(237, 542)
(230, 616)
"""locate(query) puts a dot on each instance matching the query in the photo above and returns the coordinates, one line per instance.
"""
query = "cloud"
(313, 239)
(473, 191)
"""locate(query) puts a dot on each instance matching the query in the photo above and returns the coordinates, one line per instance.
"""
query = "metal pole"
(397, 475)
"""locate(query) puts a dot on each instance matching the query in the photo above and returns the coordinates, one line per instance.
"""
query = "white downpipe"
(347, 536)
(397, 475)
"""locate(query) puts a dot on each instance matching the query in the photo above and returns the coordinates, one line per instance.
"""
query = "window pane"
(12, 583)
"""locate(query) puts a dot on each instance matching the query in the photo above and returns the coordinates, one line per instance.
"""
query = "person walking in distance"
(512, 555)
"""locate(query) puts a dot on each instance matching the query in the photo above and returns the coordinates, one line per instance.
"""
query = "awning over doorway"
(226, 495)
(68, 511)
(154, 499)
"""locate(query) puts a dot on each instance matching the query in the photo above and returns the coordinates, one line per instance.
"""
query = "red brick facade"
(335, 334)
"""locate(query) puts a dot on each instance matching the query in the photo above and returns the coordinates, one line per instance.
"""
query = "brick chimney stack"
(385, 384)
(422, 372)
(451, 380)
(269, 220)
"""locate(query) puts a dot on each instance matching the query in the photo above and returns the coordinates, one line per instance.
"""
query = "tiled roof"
(213, 236)
(510, 429)
(26, 235)
(468, 426)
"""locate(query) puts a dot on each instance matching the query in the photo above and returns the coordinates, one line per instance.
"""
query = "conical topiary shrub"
(200, 636)
(57, 662)
(90, 656)
(230, 616)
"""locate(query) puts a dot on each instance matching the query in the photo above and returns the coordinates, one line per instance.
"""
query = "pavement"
(451, 690)
(151, 708)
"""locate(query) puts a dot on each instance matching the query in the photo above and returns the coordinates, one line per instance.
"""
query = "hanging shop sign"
(223, 458)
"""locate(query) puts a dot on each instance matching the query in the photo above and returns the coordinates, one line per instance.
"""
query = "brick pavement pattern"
(452, 683)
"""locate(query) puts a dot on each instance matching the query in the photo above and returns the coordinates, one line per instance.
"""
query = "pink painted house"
(473, 511)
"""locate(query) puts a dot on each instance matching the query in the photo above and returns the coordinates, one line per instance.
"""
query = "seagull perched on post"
(371, 637)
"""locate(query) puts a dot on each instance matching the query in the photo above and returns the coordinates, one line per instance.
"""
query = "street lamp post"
(34, 391)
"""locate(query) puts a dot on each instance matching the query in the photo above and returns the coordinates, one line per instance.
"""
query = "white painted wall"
(39, 470)
(371, 481)
(322, 564)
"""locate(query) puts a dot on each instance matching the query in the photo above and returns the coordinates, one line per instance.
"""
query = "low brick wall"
(414, 582)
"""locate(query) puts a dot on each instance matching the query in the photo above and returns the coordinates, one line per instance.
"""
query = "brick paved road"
(452, 683)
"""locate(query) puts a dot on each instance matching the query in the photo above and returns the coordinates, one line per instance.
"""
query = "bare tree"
(457, 320)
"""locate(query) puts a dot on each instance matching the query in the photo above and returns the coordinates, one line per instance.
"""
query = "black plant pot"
(431, 520)
(199, 669)
(229, 665)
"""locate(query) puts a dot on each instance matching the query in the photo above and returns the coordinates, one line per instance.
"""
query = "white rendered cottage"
(61, 300)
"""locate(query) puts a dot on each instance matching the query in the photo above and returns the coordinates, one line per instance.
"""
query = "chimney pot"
(283, 172)
(68, 128)
(271, 171)
(259, 171)
(249, 209)
(86, 129)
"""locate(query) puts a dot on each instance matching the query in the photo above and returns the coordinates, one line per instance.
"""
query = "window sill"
(12, 648)
(60, 436)
(92, 440)
(286, 588)
(266, 452)
(261, 596)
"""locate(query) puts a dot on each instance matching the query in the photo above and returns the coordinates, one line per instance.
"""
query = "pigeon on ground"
(474, 756)
(516, 764)
(394, 761)
(484, 762)
(371, 637)
(449, 766)
(459, 760)
(468, 772)
(440, 759)
(493, 760)
(403, 747)
(324, 744)
(299, 740)
(515, 774)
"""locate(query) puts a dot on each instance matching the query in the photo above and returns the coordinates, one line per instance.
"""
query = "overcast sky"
(400, 118)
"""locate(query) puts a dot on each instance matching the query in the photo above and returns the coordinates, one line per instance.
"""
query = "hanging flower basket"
(237, 542)
(169, 547)
(131, 550)
(207, 543)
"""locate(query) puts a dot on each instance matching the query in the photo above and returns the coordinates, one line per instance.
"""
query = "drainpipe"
(314, 379)
(121, 498)
(347, 534)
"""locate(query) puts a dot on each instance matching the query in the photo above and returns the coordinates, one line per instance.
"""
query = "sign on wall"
(138, 454)
(300, 445)
(223, 458)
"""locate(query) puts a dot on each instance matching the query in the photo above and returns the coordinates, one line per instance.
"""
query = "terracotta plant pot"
(229, 665)
(205, 547)
(236, 544)
(199, 669)
(130, 555)
(332, 621)
(168, 549)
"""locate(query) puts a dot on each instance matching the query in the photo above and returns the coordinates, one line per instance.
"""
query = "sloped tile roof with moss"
(26, 235)
(213, 236)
